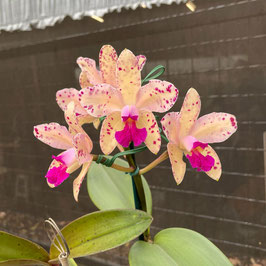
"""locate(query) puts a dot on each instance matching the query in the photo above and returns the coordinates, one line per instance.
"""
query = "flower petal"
(78, 180)
(86, 119)
(111, 124)
(83, 80)
(216, 171)
(141, 61)
(176, 159)
(54, 135)
(189, 112)
(157, 96)
(89, 73)
(214, 127)
(65, 96)
(71, 119)
(153, 139)
(107, 61)
(170, 125)
(101, 100)
(83, 145)
(128, 76)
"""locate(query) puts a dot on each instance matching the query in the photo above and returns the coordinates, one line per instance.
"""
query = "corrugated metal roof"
(27, 14)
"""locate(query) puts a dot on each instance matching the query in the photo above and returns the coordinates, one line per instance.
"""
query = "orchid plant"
(116, 99)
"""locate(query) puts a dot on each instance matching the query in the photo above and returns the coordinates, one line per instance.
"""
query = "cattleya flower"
(127, 106)
(190, 136)
(90, 76)
(77, 145)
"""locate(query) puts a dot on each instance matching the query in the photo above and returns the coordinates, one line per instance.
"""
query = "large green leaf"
(103, 230)
(111, 189)
(177, 246)
(71, 262)
(14, 247)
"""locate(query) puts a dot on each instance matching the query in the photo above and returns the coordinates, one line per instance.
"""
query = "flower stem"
(116, 166)
(157, 161)
(132, 168)
(138, 192)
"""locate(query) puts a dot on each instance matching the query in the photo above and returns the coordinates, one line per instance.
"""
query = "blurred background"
(219, 49)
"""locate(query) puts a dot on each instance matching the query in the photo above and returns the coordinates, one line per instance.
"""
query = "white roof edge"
(25, 15)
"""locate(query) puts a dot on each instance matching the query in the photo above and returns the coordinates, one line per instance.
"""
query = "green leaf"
(103, 230)
(23, 263)
(109, 188)
(177, 246)
(14, 247)
(72, 262)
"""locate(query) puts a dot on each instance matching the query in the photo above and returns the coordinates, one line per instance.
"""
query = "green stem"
(115, 166)
(138, 192)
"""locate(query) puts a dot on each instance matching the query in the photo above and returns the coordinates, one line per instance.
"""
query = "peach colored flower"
(91, 76)
(190, 136)
(127, 106)
(77, 145)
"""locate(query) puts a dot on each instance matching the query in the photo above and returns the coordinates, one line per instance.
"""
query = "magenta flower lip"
(57, 175)
(131, 133)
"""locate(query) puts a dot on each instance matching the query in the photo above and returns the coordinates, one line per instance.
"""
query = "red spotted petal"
(107, 61)
(214, 127)
(128, 76)
(89, 73)
(157, 96)
(153, 139)
(54, 135)
(170, 125)
(189, 112)
(176, 159)
(101, 100)
(111, 124)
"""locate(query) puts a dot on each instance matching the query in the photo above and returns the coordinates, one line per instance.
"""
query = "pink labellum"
(199, 144)
(131, 133)
(201, 162)
(123, 137)
(198, 160)
(57, 175)
(138, 134)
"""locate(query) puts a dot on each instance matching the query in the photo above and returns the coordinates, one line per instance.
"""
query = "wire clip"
(54, 233)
